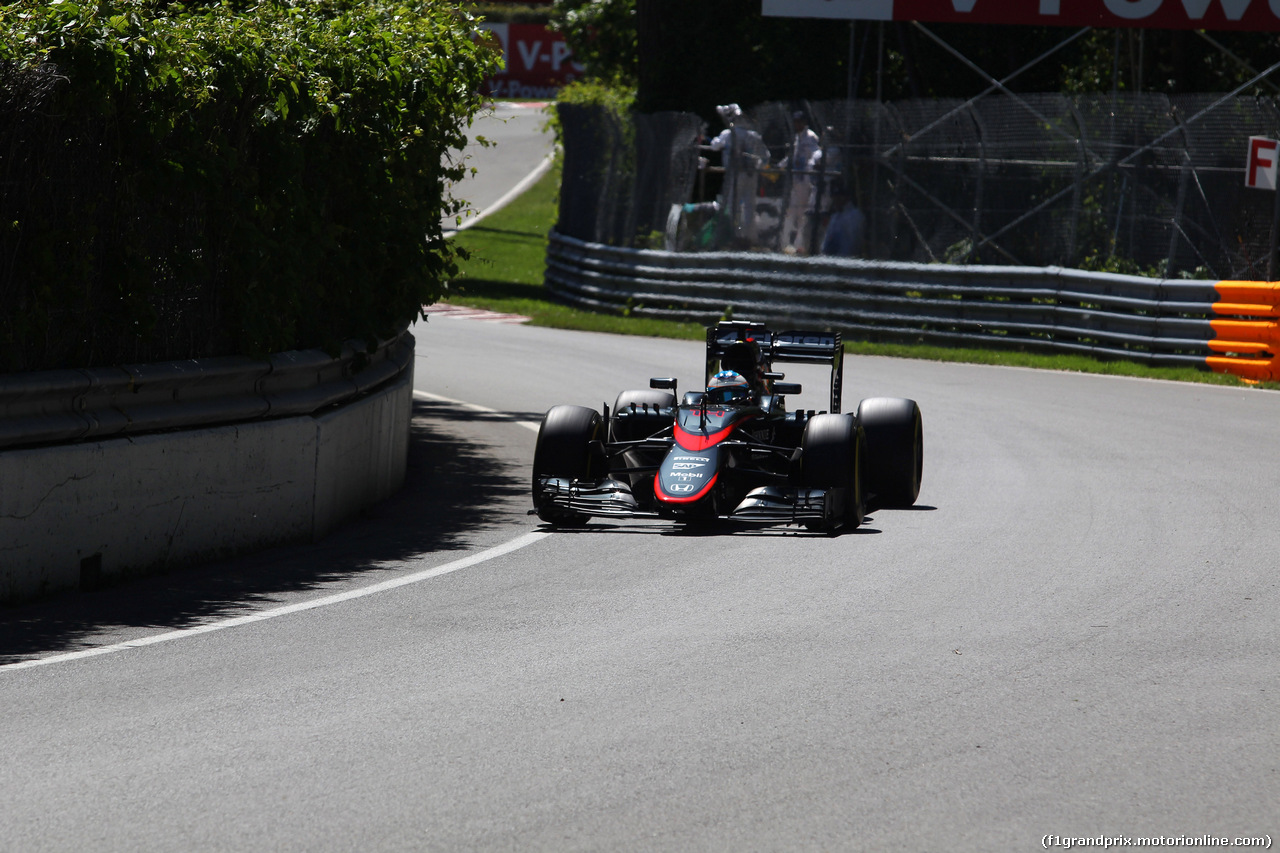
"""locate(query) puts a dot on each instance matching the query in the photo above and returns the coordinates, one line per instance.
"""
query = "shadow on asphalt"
(709, 529)
(455, 486)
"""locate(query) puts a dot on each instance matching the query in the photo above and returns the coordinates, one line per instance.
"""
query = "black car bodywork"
(753, 461)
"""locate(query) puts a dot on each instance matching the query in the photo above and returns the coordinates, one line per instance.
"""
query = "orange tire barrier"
(1250, 347)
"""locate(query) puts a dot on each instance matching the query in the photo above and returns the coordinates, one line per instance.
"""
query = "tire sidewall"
(894, 434)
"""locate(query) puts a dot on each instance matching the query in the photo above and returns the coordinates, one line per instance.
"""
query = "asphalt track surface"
(1073, 634)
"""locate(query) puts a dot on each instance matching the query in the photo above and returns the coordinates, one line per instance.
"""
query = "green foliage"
(602, 36)
(308, 137)
(511, 13)
(599, 93)
(509, 246)
(1169, 61)
(618, 99)
(1097, 262)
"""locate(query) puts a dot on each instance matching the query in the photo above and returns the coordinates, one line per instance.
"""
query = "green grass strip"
(504, 273)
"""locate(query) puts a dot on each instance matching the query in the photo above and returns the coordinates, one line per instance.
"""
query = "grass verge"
(508, 252)
(508, 257)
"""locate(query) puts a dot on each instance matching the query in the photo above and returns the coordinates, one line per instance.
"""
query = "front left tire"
(895, 443)
(834, 450)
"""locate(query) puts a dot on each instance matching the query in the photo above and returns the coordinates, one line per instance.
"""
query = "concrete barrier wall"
(361, 453)
(73, 515)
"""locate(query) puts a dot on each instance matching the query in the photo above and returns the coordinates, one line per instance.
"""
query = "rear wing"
(795, 347)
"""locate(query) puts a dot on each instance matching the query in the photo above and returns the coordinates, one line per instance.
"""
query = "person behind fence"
(830, 166)
(800, 163)
(742, 151)
(846, 229)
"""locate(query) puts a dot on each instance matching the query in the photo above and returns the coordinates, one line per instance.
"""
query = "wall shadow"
(456, 485)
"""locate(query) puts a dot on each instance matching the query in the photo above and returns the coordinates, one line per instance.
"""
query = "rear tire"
(895, 446)
(833, 457)
(563, 450)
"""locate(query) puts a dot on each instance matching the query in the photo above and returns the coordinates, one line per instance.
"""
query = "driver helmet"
(728, 387)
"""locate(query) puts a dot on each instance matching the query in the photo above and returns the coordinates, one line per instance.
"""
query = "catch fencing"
(1224, 326)
(1142, 183)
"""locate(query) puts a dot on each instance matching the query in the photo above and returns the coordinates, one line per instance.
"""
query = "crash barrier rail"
(1210, 325)
(59, 406)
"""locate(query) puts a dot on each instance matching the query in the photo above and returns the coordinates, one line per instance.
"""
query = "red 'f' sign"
(1263, 156)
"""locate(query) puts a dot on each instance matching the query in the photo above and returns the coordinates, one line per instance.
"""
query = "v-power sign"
(1243, 15)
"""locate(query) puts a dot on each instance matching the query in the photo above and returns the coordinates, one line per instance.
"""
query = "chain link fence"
(1139, 183)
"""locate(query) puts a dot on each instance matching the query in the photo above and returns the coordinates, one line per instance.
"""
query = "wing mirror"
(669, 383)
(786, 387)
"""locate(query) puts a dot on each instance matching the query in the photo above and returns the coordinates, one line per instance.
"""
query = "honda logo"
(681, 488)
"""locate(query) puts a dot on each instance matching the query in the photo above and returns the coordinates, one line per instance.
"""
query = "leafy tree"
(511, 13)
(284, 163)
(603, 37)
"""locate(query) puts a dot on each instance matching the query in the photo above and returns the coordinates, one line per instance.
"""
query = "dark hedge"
(181, 181)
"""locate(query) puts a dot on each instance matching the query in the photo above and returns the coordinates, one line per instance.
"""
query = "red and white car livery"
(748, 459)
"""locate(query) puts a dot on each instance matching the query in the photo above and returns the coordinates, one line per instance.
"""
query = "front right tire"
(563, 450)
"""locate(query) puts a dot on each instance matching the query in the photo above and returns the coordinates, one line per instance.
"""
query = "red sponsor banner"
(1243, 15)
(537, 62)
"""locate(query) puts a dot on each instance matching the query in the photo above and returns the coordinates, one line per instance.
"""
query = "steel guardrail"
(1160, 322)
(61, 406)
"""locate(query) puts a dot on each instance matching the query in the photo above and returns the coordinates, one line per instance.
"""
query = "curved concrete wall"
(76, 514)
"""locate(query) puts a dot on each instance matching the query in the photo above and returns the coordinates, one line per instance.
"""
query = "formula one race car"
(733, 451)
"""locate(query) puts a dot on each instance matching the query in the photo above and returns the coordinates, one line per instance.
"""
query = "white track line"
(315, 603)
(525, 182)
